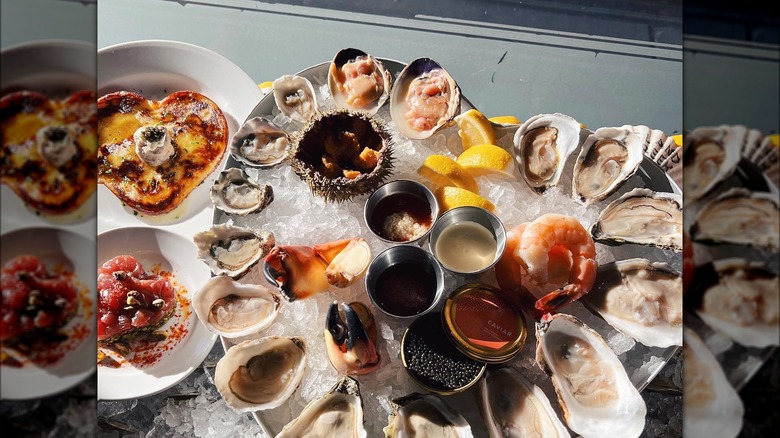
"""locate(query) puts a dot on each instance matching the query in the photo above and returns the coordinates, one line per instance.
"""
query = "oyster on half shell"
(231, 250)
(425, 415)
(741, 217)
(541, 147)
(425, 98)
(232, 309)
(641, 299)
(594, 391)
(358, 81)
(740, 299)
(643, 217)
(512, 406)
(338, 413)
(260, 374)
(608, 158)
(234, 192)
(711, 155)
(259, 143)
(295, 97)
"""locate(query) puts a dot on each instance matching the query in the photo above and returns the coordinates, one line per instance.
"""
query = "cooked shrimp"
(554, 252)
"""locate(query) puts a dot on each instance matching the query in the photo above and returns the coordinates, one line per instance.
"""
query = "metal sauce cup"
(399, 187)
(405, 281)
(469, 214)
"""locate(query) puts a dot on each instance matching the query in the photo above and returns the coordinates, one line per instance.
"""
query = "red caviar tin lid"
(484, 325)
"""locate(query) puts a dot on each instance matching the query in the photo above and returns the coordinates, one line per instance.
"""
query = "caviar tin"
(482, 324)
(432, 362)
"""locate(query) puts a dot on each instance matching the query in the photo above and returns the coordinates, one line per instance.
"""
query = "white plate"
(55, 68)
(155, 69)
(74, 253)
(177, 255)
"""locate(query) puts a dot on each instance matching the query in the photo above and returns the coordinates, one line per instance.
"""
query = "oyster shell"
(232, 250)
(295, 97)
(711, 155)
(424, 99)
(512, 406)
(232, 309)
(608, 158)
(740, 299)
(338, 413)
(351, 341)
(234, 192)
(358, 81)
(425, 415)
(742, 217)
(641, 299)
(260, 374)
(260, 143)
(594, 391)
(711, 406)
(643, 217)
(541, 147)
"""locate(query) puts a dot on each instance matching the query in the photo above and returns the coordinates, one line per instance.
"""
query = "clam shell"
(418, 73)
(260, 143)
(341, 92)
(277, 367)
(232, 309)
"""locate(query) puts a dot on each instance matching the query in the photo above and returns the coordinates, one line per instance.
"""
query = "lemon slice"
(486, 159)
(451, 197)
(505, 120)
(474, 129)
(444, 171)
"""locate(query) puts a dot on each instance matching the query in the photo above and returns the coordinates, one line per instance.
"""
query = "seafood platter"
(387, 259)
(730, 265)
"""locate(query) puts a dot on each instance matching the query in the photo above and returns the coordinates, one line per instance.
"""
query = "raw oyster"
(711, 155)
(351, 341)
(232, 250)
(740, 299)
(711, 406)
(358, 81)
(424, 99)
(260, 143)
(594, 391)
(260, 374)
(295, 98)
(425, 415)
(512, 406)
(641, 299)
(342, 154)
(232, 309)
(302, 271)
(338, 413)
(234, 192)
(643, 217)
(541, 147)
(741, 217)
(608, 157)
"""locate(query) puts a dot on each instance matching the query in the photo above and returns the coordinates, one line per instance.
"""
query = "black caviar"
(432, 359)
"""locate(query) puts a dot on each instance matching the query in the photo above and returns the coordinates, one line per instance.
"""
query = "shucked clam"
(425, 98)
(358, 81)
(351, 340)
(261, 373)
(260, 143)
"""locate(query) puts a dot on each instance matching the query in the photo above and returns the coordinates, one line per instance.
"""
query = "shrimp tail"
(558, 298)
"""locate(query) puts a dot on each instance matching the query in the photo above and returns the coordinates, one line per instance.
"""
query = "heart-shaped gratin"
(153, 154)
(48, 149)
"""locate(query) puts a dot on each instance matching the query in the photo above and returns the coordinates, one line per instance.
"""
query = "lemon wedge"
(775, 139)
(474, 128)
(486, 159)
(444, 171)
(678, 139)
(505, 120)
(451, 197)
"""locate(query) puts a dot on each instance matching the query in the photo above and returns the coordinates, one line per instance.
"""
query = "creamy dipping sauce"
(466, 247)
